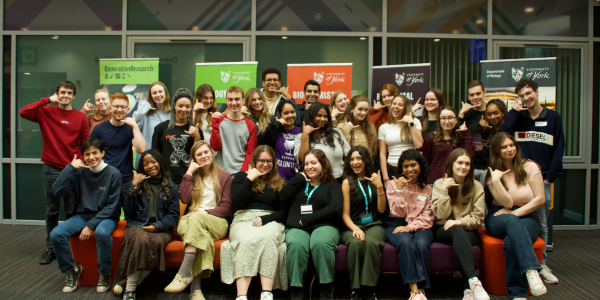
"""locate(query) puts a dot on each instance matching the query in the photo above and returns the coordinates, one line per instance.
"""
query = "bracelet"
(379, 187)
(381, 194)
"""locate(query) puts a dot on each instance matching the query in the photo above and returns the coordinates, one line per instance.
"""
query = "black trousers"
(462, 242)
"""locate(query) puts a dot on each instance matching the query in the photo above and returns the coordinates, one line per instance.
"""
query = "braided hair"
(164, 172)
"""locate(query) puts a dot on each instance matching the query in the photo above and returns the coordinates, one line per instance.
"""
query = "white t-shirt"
(390, 133)
(206, 127)
(208, 197)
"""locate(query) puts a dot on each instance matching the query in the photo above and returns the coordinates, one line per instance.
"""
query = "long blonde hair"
(200, 91)
(166, 103)
(263, 116)
(213, 176)
(96, 114)
(405, 133)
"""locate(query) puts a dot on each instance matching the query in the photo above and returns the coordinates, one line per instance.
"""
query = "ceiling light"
(480, 21)
(284, 37)
(27, 73)
(529, 9)
(436, 40)
(55, 37)
(362, 38)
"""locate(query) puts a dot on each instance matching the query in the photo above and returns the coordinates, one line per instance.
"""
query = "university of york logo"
(399, 79)
(517, 74)
(318, 77)
(225, 76)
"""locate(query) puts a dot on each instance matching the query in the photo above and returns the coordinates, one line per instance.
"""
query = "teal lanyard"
(363, 191)
(311, 192)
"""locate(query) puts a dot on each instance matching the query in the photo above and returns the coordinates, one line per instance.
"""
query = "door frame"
(583, 160)
(169, 39)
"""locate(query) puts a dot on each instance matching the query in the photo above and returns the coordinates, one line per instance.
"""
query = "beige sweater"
(471, 213)
(357, 137)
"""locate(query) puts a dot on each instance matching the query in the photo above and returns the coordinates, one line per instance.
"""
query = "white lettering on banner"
(494, 73)
(414, 78)
(241, 76)
(221, 93)
(334, 79)
(537, 75)
(534, 136)
(408, 95)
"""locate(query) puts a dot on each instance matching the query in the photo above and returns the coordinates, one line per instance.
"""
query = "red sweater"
(63, 131)
(378, 117)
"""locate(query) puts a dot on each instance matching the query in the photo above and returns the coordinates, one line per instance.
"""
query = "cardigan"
(223, 209)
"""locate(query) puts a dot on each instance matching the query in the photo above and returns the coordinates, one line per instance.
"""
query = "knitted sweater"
(436, 156)
(470, 212)
(378, 117)
(411, 203)
(357, 137)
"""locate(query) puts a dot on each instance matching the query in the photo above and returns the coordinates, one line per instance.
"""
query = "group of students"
(289, 180)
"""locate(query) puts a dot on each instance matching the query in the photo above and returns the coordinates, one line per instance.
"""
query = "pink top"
(224, 209)
(411, 203)
(521, 194)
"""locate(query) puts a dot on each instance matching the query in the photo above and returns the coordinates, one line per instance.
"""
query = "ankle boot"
(327, 291)
(297, 293)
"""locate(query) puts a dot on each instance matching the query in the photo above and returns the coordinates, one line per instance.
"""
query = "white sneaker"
(266, 296)
(535, 283)
(468, 295)
(478, 292)
(547, 275)
(243, 297)
(520, 298)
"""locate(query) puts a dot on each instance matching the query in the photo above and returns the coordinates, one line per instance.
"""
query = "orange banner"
(331, 78)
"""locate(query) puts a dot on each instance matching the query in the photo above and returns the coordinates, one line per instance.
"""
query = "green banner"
(222, 76)
(128, 71)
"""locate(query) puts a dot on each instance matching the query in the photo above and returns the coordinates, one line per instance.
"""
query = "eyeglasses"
(442, 120)
(271, 80)
(264, 162)
(117, 107)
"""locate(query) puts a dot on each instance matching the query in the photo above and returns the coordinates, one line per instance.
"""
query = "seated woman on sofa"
(459, 206)
(207, 189)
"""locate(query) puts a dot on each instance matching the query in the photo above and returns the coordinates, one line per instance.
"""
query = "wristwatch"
(411, 124)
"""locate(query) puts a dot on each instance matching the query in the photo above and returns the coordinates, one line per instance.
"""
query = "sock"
(132, 281)
(195, 284)
(143, 275)
(186, 266)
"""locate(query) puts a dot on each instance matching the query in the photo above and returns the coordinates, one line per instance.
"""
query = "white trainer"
(478, 292)
(536, 285)
(468, 295)
(547, 275)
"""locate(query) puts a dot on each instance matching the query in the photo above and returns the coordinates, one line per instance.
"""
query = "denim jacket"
(137, 208)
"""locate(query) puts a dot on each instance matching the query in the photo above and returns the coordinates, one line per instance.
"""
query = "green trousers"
(322, 243)
(364, 258)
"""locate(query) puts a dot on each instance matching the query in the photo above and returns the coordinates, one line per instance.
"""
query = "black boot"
(355, 295)
(297, 293)
(327, 291)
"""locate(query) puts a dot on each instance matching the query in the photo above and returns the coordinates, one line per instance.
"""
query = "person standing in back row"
(63, 131)
(233, 135)
(472, 114)
(539, 132)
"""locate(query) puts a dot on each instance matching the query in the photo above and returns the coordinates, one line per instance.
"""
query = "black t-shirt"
(431, 127)
(472, 119)
(174, 145)
(357, 203)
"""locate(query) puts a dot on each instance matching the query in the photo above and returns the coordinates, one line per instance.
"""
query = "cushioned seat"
(493, 269)
(85, 254)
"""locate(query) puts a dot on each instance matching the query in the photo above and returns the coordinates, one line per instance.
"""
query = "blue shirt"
(118, 145)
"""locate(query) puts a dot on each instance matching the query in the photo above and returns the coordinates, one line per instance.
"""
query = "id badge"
(306, 209)
(421, 198)
(366, 218)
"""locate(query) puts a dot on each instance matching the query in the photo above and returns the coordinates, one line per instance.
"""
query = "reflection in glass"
(569, 198)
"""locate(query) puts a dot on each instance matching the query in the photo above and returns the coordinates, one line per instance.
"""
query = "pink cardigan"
(411, 203)
(224, 209)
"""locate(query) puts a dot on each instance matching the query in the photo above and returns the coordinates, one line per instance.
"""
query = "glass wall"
(454, 63)
(44, 61)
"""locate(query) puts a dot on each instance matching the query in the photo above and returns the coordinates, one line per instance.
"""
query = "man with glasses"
(63, 130)
(275, 93)
(118, 141)
(539, 132)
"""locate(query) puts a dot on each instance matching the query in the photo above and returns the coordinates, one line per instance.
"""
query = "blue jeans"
(49, 176)
(414, 252)
(543, 212)
(73, 227)
(519, 234)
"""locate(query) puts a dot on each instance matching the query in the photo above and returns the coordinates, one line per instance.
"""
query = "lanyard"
(363, 191)
(311, 192)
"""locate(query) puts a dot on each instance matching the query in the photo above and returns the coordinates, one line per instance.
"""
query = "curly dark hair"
(328, 133)
(412, 154)
(526, 82)
(164, 172)
(349, 172)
